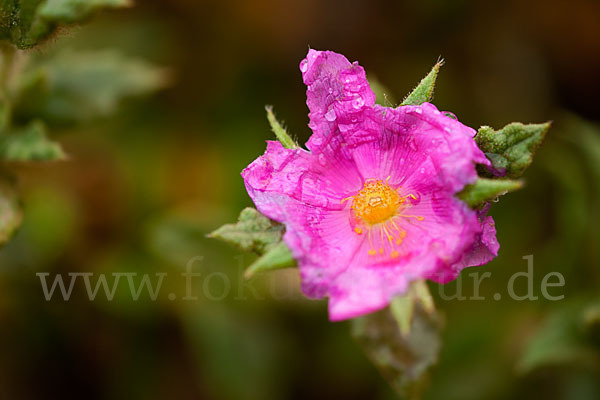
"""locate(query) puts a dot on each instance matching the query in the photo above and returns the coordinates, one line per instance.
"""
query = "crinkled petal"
(483, 250)
(305, 193)
(336, 89)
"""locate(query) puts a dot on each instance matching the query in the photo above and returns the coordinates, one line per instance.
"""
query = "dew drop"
(330, 90)
(419, 110)
(412, 144)
(330, 115)
(450, 115)
(358, 102)
(322, 159)
(304, 65)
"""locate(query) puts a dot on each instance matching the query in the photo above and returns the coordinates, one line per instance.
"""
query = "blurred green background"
(141, 189)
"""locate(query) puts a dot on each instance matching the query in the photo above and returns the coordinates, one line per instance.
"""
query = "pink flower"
(370, 206)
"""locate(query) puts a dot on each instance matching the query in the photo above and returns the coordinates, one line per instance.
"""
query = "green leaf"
(279, 131)
(511, 148)
(279, 256)
(424, 90)
(253, 232)
(484, 190)
(72, 87)
(25, 23)
(30, 144)
(70, 11)
(11, 214)
(561, 340)
(404, 359)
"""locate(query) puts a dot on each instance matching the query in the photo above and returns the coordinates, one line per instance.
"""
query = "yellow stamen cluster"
(376, 202)
(376, 206)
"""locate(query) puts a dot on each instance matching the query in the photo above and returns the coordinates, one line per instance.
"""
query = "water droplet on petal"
(322, 159)
(304, 65)
(450, 115)
(330, 115)
(418, 110)
(412, 144)
(330, 90)
(422, 170)
(358, 102)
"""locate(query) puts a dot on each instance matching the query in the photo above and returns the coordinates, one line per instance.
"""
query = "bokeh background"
(142, 188)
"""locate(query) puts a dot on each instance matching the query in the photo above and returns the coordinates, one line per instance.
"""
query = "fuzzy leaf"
(511, 148)
(253, 232)
(485, 190)
(11, 213)
(279, 131)
(30, 144)
(74, 87)
(279, 256)
(424, 90)
(27, 22)
(403, 359)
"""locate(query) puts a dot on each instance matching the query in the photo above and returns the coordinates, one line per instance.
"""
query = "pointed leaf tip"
(278, 257)
(279, 131)
(424, 90)
(484, 190)
(511, 148)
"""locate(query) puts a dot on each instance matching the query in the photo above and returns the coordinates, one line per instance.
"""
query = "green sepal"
(424, 90)
(511, 148)
(30, 144)
(260, 235)
(277, 257)
(484, 190)
(252, 233)
(279, 131)
(402, 307)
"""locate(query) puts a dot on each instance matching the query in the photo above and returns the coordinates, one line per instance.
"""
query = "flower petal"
(336, 89)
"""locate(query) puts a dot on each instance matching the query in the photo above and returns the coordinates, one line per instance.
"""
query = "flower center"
(376, 202)
(380, 209)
